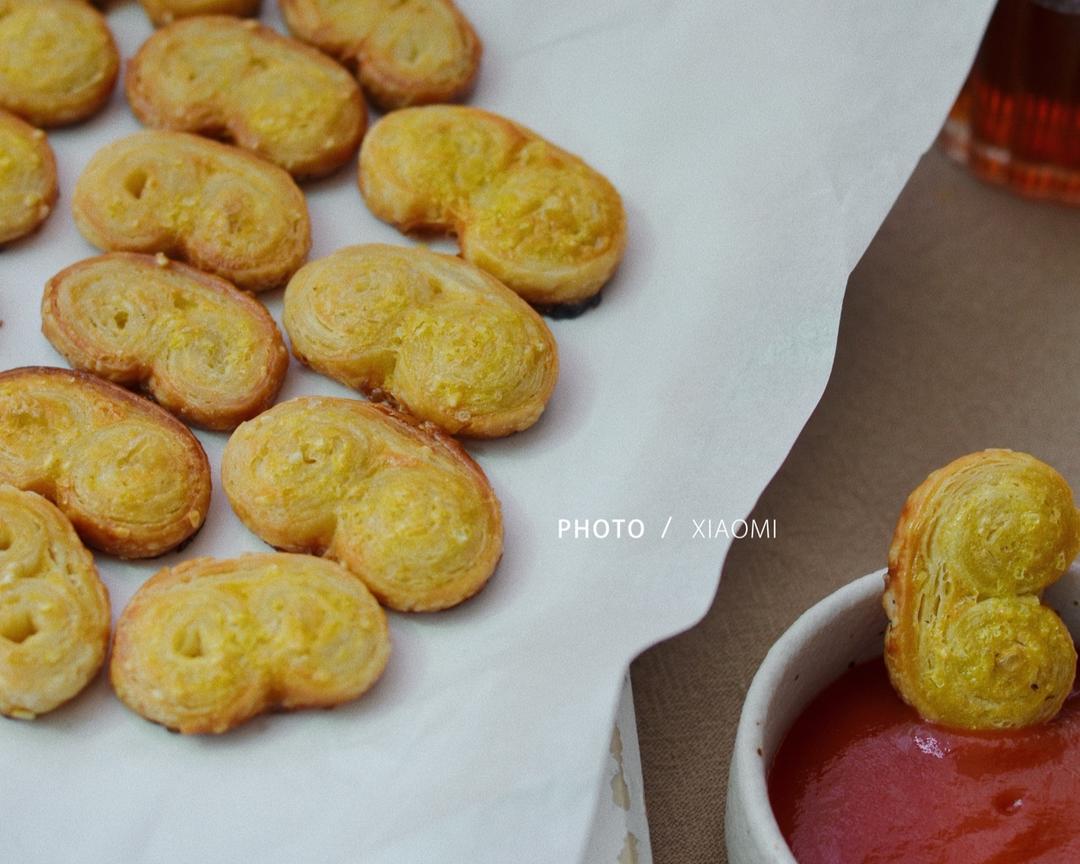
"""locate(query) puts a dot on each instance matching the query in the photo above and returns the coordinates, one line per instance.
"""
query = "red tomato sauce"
(860, 779)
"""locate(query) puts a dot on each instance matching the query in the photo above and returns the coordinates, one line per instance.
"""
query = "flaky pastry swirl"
(54, 610)
(537, 218)
(400, 505)
(405, 52)
(131, 477)
(217, 207)
(203, 350)
(969, 644)
(443, 339)
(208, 644)
(58, 61)
(245, 83)
(28, 186)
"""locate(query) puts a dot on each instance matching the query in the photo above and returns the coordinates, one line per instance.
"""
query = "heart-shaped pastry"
(969, 643)
(54, 610)
(210, 643)
(132, 478)
(398, 503)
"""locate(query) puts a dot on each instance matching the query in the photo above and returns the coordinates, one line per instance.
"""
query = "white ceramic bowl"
(847, 626)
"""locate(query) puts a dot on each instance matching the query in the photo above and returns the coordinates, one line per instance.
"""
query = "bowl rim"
(747, 785)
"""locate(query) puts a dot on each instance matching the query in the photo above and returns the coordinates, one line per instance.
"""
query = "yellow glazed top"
(537, 218)
(441, 338)
(27, 178)
(204, 350)
(210, 643)
(58, 62)
(241, 81)
(54, 610)
(132, 479)
(407, 52)
(217, 207)
(969, 644)
(401, 506)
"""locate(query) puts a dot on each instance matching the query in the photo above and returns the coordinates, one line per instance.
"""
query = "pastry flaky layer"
(131, 477)
(163, 12)
(969, 644)
(58, 61)
(405, 52)
(217, 207)
(28, 187)
(54, 610)
(237, 80)
(203, 350)
(208, 644)
(399, 504)
(439, 337)
(534, 216)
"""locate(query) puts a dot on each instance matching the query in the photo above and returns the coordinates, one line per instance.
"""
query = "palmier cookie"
(440, 338)
(219, 208)
(399, 504)
(28, 187)
(208, 644)
(166, 11)
(540, 220)
(203, 350)
(58, 61)
(131, 477)
(969, 644)
(54, 610)
(405, 53)
(237, 80)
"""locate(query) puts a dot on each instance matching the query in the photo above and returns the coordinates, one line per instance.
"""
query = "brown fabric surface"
(960, 330)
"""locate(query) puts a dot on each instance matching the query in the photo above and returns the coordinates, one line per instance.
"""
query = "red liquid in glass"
(1017, 120)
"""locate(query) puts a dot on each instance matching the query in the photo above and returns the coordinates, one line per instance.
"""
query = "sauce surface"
(861, 779)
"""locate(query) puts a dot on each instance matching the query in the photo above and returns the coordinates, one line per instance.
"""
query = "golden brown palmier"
(217, 207)
(245, 83)
(414, 52)
(54, 610)
(132, 478)
(399, 504)
(969, 644)
(203, 350)
(441, 338)
(28, 187)
(58, 60)
(210, 643)
(537, 218)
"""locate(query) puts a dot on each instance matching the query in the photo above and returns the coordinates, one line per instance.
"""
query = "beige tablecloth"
(961, 330)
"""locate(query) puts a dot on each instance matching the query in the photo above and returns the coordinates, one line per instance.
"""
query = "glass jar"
(1017, 120)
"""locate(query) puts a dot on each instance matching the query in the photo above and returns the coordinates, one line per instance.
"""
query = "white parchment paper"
(758, 146)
